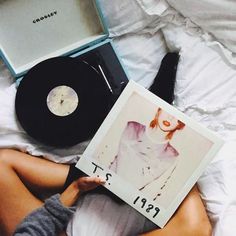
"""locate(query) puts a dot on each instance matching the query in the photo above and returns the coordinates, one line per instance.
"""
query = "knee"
(5, 158)
(204, 228)
(5, 167)
(2, 156)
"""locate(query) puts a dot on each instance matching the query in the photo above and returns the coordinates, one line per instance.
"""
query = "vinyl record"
(61, 101)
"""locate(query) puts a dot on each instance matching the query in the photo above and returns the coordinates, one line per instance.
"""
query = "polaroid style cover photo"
(149, 153)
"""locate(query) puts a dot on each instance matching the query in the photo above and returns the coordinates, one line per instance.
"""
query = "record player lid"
(32, 31)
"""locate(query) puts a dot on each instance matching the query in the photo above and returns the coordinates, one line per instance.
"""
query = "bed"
(143, 31)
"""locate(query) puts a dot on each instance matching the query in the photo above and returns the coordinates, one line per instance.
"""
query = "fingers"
(89, 183)
(94, 180)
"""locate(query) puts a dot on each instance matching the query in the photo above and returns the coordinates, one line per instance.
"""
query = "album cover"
(149, 153)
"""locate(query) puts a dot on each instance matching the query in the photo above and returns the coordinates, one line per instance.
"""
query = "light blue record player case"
(32, 30)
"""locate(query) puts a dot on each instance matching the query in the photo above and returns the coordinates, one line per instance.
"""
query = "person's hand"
(88, 183)
(83, 184)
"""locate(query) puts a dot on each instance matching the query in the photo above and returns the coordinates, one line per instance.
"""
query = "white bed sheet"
(204, 90)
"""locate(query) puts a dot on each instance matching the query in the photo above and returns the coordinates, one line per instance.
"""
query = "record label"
(62, 100)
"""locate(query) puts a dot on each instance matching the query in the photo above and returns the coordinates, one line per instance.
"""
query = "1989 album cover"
(149, 153)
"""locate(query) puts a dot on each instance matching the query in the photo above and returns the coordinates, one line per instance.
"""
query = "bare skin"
(22, 175)
(189, 220)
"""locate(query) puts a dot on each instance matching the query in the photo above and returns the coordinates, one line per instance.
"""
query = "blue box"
(33, 31)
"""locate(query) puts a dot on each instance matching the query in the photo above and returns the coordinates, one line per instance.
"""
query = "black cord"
(164, 82)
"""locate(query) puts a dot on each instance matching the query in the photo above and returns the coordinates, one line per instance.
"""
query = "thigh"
(16, 201)
(34, 171)
(190, 219)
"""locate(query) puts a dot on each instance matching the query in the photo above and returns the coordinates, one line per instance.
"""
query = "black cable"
(164, 82)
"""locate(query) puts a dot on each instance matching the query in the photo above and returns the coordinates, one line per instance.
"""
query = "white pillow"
(124, 16)
(217, 17)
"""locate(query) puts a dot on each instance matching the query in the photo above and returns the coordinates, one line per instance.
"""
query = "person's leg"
(18, 170)
(190, 219)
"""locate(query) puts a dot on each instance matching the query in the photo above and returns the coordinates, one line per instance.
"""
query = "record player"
(32, 32)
